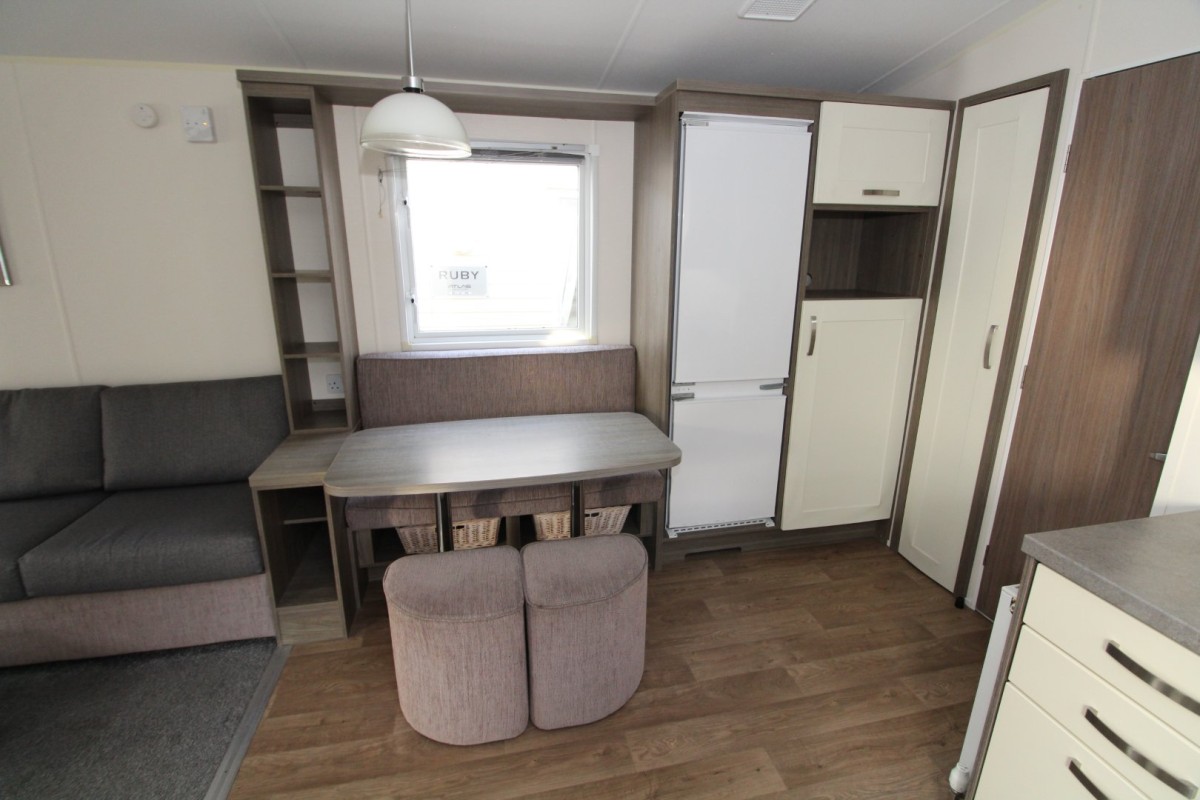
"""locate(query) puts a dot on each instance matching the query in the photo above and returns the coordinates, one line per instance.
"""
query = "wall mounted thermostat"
(197, 124)
(143, 115)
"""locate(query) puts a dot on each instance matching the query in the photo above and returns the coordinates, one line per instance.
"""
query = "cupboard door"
(849, 403)
(880, 155)
(993, 187)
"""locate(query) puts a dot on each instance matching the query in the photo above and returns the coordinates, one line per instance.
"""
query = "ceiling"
(607, 45)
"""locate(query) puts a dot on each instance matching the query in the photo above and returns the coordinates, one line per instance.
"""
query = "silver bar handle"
(1159, 456)
(1150, 679)
(768, 386)
(881, 192)
(1179, 785)
(5, 275)
(683, 396)
(1092, 789)
(987, 347)
(812, 334)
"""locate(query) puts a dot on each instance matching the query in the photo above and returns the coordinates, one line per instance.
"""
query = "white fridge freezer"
(743, 183)
(730, 435)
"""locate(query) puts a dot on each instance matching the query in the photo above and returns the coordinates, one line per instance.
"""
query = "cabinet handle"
(812, 335)
(987, 347)
(1074, 768)
(881, 192)
(1184, 788)
(1152, 680)
(5, 275)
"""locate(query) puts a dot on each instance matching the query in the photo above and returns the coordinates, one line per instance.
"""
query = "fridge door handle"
(683, 396)
(769, 386)
(812, 334)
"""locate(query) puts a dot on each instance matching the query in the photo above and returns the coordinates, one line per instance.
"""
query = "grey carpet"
(150, 725)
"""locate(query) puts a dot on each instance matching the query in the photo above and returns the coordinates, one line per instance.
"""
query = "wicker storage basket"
(467, 534)
(596, 521)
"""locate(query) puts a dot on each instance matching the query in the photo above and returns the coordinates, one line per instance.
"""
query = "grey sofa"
(126, 522)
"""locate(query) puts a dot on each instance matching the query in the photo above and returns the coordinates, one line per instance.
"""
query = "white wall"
(372, 258)
(137, 256)
(1090, 38)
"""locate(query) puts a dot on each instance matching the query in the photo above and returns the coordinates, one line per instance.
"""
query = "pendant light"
(411, 123)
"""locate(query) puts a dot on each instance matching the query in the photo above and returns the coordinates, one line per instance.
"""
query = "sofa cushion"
(152, 537)
(434, 386)
(181, 434)
(49, 441)
(24, 524)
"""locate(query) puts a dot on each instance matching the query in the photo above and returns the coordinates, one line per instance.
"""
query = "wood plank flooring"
(831, 672)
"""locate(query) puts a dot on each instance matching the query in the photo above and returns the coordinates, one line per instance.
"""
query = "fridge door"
(742, 188)
(730, 467)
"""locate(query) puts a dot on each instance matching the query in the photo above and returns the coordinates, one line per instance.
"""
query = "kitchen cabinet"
(854, 370)
(299, 200)
(880, 155)
(1100, 691)
(986, 266)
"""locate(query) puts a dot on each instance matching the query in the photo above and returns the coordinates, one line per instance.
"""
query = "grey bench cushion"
(152, 537)
(180, 434)
(24, 524)
(49, 441)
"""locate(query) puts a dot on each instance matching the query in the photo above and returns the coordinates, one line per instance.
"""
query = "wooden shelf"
(292, 191)
(322, 420)
(313, 350)
(313, 581)
(305, 276)
(302, 506)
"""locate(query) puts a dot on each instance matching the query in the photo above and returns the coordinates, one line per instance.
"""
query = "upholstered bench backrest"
(407, 388)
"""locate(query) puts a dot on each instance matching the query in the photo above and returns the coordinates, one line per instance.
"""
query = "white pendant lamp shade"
(414, 124)
(411, 123)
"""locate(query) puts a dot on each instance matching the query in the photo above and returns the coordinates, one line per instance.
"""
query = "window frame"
(584, 333)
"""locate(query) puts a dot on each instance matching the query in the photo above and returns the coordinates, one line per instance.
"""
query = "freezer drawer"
(730, 467)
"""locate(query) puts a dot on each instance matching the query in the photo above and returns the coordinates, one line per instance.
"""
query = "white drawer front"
(1030, 757)
(1088, 628)
(1152, 756)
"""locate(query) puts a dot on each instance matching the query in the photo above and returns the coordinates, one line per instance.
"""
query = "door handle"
(812, 334)
(987, 347)
(1159, 456)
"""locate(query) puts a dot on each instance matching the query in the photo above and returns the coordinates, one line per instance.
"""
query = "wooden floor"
(826, 672)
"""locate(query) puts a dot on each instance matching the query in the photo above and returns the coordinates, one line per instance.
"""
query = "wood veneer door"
(1119, 316)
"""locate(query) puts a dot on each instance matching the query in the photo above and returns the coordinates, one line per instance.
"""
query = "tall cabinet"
(299, 200)
(860, 245)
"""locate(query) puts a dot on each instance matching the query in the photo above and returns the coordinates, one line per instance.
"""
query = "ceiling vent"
(775, 10)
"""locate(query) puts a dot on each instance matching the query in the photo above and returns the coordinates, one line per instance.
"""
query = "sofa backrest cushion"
(413, 387)
(181, 434)
(50, 441)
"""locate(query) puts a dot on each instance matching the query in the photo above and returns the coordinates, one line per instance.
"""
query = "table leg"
(445, 534)
(576, 509)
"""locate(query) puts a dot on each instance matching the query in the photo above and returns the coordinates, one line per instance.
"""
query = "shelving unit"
(299, 198)
(315, 583)
(866, 252)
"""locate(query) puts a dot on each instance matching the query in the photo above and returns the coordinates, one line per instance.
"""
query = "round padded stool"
(458, 640)
(585, 606)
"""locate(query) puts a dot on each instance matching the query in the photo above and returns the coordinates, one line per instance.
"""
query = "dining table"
(475, 454)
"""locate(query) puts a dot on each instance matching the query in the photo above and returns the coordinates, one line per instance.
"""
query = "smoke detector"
(775, 10)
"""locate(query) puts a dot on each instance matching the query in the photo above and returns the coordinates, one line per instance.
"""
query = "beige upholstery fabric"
(458, 641)
(107, 623)
(405, 388)
(585, 605)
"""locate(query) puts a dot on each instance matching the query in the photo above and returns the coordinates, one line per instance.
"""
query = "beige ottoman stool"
(458, 640)
(585, 606)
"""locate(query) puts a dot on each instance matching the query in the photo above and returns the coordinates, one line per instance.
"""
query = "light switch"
(197, 124)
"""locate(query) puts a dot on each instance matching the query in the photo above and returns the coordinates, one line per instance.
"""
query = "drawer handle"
(1152, 680)
(1074, 768)
(1184, 788)
(812, 334)
(881, 192)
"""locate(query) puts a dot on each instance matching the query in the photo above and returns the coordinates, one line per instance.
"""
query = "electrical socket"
(333, 383)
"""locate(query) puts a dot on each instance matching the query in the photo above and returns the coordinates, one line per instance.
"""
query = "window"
(496, 248)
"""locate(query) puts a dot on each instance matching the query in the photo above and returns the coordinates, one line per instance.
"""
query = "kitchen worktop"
(1145, 567)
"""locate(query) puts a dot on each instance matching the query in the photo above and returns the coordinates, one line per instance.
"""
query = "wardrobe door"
(994, 182)
(1119, 316)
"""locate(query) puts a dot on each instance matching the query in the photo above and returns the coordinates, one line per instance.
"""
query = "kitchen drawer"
(1150, 755)
(1032, 757)
(1124, 651)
